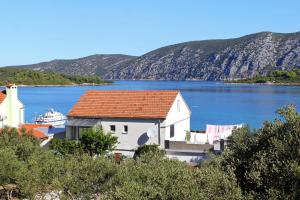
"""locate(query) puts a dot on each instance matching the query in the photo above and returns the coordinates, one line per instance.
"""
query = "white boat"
(51, 117)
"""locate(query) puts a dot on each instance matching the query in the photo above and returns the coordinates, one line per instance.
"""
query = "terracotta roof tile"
(124, 104)
(31, 128)
(2, 96)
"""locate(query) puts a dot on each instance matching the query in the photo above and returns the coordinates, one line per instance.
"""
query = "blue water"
(210, 102)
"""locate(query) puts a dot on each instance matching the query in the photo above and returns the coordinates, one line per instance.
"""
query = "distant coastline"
(267, 83)
(31, 78)
(277, 77)
(61, 85)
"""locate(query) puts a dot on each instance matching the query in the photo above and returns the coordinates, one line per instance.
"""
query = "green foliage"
(266, 162)
(96, 142)
(147, 149)
(276, 76)
(261, 164)
(85, 177)
(31, 77)
(10, 166)
(215, 183)
(85, 79)
(154, 177)
(23, 144)
(188, 136)
(65, 147)
(21, 160)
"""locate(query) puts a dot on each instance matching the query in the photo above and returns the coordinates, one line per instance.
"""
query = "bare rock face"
(238, 58)
(243, 57)
(91, 65)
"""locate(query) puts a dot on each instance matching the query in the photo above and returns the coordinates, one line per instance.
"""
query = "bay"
(210, 102)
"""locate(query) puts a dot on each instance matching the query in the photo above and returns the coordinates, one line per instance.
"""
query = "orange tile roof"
(31, 128)
(10, 84)
(144, 104)
(2, 96)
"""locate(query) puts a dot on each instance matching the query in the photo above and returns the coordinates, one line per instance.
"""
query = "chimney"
(13, 114)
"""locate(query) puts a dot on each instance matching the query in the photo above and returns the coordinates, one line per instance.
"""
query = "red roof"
(2, 96)
(31, 128)
(10, 84)
(144, 104)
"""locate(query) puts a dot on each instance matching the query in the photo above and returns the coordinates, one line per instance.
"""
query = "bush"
(262, 164)
(65, 147)
(266, 162)
(154, 177)
(95, 142)
(149, 149)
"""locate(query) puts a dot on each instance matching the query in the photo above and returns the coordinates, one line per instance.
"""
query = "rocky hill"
(228, 59)
(87, 66)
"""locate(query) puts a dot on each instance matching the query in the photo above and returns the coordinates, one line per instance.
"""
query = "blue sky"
(40, 30)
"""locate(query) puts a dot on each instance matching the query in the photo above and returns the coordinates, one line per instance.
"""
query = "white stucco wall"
(137, 132)
(12, 108)
(136, 135)
(198, 138)
(187, 158)
(180, 118)
(3, 112)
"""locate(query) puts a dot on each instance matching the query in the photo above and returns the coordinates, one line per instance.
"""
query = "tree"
(96, 142)
(65, 147)
(153, 176)
(149, 149)
(40, 173)
(10, 168)
(215, 183)
(84, 177)
(266, 162)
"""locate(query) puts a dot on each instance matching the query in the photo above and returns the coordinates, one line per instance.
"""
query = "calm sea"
(210, 102)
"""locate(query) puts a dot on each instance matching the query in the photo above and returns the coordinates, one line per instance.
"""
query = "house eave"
(110, 117)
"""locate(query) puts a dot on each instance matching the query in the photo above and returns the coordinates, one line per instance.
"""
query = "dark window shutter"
(172, 131)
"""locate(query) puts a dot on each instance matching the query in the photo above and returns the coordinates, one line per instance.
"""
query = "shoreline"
(271, 84)
(103, 84)
(81, 85)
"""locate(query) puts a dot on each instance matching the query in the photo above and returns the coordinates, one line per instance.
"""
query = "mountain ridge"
(216, 59)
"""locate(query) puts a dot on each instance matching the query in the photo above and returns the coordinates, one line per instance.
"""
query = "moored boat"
(51, 117)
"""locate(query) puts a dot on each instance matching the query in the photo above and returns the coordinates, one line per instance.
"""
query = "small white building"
(11, 108)
(132, 115)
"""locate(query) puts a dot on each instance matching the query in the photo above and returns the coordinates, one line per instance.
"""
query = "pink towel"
(217, 132)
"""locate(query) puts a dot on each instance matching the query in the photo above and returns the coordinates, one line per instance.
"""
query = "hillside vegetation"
(275, 77)
(227, 59)
(31, 77)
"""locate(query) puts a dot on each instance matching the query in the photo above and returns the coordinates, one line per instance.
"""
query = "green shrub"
(266, 162)
(148, 149)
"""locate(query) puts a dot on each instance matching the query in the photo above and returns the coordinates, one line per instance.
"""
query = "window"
(178, 105)
(125, 129)
(112, 128)
(172, 131)
(73, 133)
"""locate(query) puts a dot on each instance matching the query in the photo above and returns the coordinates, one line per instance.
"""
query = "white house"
(11, 108)
(136, 117)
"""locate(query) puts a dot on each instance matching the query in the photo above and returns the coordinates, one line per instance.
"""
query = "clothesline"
(217, 132)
